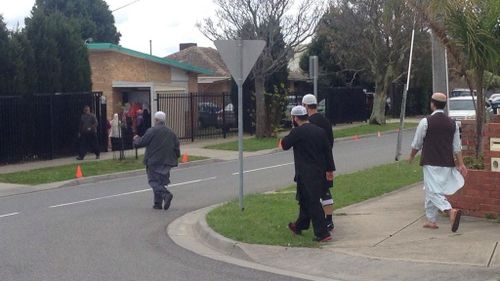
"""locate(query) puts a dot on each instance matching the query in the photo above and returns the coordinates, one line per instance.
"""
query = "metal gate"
(195, 116)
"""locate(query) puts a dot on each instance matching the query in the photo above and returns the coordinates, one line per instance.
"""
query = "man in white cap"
(162, 153)
(312, 156)
(438, 137)
(310, 102)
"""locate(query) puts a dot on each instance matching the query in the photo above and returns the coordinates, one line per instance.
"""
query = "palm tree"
(470, 31)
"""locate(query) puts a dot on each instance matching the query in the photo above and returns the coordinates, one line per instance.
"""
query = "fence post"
(192, 115)
(51, 127)
(224, 131)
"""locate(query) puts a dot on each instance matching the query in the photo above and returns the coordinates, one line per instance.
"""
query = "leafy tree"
(5, 66)
(93, 17)
(61, 57)
(23, 59)
(470, 31)
(264, 20)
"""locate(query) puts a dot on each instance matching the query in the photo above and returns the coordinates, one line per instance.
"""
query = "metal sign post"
(240, 57)
(313, 73)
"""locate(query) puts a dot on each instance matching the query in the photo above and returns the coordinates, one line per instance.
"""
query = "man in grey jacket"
(162, 153)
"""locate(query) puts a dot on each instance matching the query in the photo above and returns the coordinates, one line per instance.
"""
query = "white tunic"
(441, 180)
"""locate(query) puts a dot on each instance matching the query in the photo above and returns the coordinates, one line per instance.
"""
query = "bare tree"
(265, 20)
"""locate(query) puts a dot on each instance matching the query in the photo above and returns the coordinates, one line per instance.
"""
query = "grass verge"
(265, 218)
(67, 172)
(366, 129)
(255, 144)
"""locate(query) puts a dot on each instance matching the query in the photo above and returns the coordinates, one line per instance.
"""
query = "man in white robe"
(438, 137)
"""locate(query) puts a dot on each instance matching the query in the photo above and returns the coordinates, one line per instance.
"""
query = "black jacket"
(312, 153)
(321, 121)
(162, 146)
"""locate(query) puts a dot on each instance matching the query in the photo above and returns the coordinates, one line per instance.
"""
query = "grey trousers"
(158, 179)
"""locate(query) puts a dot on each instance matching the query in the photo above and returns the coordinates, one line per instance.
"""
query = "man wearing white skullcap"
(162, 152)
(310, 102)
(438, 137)
(313, 158)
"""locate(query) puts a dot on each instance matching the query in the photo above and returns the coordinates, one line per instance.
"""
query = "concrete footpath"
(378, 239)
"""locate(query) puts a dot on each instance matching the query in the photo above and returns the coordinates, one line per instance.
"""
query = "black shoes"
(97, 157)
(168, 199)
(293, 229)
(79, 158)
(157, 207)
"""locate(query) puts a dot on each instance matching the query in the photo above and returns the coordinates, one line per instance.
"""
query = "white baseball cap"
(160, 115)
(298, 110)
(309, 99)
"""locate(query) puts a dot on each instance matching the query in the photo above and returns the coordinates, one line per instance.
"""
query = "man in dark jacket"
(311, 104)
(313, 158)
(87, 134)
(162, 153)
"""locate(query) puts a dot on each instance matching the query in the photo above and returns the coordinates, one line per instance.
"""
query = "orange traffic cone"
(184, 158)
(355, 137)
(379, 134)
(279, 144)
(78, 173)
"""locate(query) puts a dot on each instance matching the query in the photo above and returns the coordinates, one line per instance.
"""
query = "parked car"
(207, 114)
(226, 118)
(291, 102)
(494, 105)
(461, 108)
(494, 97)
(460, 92)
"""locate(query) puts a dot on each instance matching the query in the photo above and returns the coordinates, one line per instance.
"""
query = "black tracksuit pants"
(310, 210)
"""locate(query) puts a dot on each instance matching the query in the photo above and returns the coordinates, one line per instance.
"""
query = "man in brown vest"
(438, 137)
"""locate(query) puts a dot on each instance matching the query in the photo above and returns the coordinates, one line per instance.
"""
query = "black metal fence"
(194, 116)
(45, 126)
(339, 104)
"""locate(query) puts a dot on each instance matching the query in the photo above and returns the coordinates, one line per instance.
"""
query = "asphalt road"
(108, 230)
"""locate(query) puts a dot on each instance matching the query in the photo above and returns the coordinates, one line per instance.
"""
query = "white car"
(461, 108)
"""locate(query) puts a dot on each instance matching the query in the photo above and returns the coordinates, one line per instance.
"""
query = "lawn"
(67, 172)
(255, 144)
(366, 129)
(265, 218)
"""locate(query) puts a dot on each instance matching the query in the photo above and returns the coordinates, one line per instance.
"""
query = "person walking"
(162, 153)
(312, 157)
(438, 137)
(310, 102)
(87, 134)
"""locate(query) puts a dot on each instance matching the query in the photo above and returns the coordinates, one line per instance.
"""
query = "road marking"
(263, 168)
(9, 215)
(130, 193)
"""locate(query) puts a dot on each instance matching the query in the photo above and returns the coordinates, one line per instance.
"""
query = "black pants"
(88, 141)
(310, 210)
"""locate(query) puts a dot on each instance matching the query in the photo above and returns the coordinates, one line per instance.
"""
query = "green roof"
(167, 61)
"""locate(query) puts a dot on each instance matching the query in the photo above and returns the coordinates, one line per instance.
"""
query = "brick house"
(217, 82)
(128, 76)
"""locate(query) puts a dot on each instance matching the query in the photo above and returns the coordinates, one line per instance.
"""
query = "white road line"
(130, 193)
(9, 215)
(263, 168)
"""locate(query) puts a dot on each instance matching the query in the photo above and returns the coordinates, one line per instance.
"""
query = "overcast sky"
(167, 23)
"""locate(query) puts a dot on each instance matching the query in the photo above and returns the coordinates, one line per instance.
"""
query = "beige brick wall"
(111, 66)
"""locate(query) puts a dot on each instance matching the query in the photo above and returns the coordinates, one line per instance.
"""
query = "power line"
(126, 5)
